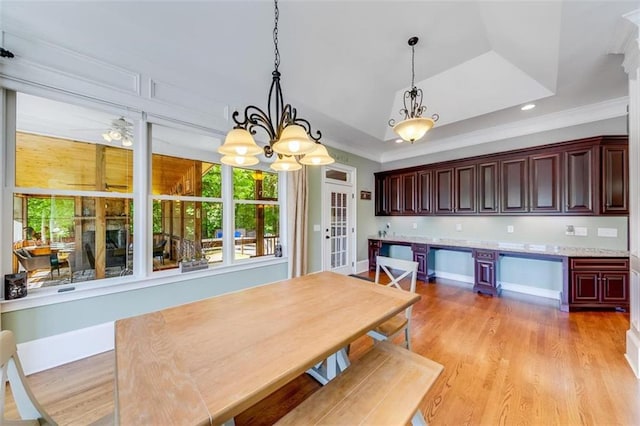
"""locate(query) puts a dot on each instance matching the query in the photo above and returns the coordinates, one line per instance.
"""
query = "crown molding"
(572, 117)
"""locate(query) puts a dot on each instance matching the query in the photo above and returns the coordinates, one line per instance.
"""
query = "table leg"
(328, 369)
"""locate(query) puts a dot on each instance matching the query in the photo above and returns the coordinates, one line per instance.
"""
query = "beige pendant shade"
(285, 164)
(294, 141)
(414, 128)
(239, 160)
(239, 142)
(318, 157)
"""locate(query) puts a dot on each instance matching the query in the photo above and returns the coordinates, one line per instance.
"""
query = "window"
(72, 210)
(257, 222)
(187, 202)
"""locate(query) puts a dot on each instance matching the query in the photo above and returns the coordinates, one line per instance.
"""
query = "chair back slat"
(397, 270)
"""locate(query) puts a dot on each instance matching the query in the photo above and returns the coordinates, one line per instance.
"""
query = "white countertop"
(547, 249)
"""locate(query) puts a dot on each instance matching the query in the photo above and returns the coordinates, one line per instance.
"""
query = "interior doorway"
(338, 218)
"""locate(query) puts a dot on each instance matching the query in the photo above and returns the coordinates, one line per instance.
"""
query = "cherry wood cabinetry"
(374, 252)
(599, 283)
(583, 177)
(579, 183)
(425, 178)
(544, 183)
(488, 187)
(615, 179)
(485, 274)
(515, 192)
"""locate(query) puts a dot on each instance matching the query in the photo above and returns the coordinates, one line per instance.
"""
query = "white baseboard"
(48, 352)
(532, 291)
(455, 277)
(633, 351)
(362, 266)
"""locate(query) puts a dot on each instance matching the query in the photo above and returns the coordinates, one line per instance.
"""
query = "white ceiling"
(345, 64)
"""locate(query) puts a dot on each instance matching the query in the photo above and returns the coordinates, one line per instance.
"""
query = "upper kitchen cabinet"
(584, 177)
(615, 179)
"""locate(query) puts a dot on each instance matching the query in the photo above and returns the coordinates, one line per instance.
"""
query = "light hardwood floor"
(507, 361)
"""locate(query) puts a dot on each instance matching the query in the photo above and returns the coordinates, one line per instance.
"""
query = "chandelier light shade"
(318, 157)
(414, 126)
(289, 135)
(239, 142)
(240, 160)
(285, 163)
(120, 130)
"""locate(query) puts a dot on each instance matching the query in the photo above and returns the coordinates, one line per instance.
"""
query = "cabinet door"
(488, 187)
(614, 286)
(382, 196)
(374, 251)
(409, 187)
(544, 183)
(579, 181)
(585, 287)
(465, 189)
(615, 179)
(424, 192)
(444, 191)
(395, 194)
(420, 256)
(514, 186)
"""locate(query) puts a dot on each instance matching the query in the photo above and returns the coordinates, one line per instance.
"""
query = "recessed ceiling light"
(398, 141)
(527, 107)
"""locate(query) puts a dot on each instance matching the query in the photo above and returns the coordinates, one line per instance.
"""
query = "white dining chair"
(396, 270)
(31, 412)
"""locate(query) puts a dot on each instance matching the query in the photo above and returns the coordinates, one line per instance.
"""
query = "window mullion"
(228, 215)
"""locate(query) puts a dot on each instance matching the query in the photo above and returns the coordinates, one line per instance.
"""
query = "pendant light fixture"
(289, 135)
(414, 126)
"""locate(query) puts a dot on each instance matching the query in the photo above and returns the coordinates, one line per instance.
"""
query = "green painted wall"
(43, 321)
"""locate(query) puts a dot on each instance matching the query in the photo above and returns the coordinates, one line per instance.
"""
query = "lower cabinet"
(485, 276)
(420, 253)
(374, 252)
(599, 283)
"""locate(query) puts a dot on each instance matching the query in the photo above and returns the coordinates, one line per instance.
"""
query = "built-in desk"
(591, 278)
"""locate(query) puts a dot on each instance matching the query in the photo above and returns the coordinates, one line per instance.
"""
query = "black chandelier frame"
(278, 114)
(412, 99)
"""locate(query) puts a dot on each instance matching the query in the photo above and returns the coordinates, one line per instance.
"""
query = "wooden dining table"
(207, 361)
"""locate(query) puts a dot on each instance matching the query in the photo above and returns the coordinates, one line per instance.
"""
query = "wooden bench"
(158, 390)
(384, 387)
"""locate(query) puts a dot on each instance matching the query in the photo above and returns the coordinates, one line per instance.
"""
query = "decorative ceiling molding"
(572, 117)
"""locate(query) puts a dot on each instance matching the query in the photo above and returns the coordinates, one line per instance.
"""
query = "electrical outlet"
(608, 232)
(510, 229)
(414, 225)
(581, 231)
(458, 227)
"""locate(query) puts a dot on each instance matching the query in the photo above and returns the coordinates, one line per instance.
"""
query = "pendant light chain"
(276, 62)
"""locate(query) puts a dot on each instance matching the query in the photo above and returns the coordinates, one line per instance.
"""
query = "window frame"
(143, 275)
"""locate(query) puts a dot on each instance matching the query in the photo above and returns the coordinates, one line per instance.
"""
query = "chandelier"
(120, 130)
(290, 137)
(414, 126)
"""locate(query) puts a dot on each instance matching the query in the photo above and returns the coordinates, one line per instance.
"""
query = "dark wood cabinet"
(585, 177)
(599, 283)
(488, 187)
(374, 252)
(443, 191)
(464, 190)
(544, 183)
(425, 179)
(409, 194)
(381, 195)
(514, 189)
(420, 253)
(579, 180)
(615, 179)
(485, 274)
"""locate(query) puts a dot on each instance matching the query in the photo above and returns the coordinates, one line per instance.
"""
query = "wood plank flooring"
(507, 361)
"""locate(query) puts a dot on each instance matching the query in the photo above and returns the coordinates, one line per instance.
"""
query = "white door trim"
(352, 212)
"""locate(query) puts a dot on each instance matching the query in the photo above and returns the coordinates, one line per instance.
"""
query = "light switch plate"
(414, 225)
(581, 231)
(510, 229)
(316, 228)
(458, 227)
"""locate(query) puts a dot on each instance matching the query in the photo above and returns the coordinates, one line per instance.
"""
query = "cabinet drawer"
(599, 264)
(484, 254)
(419, 248)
